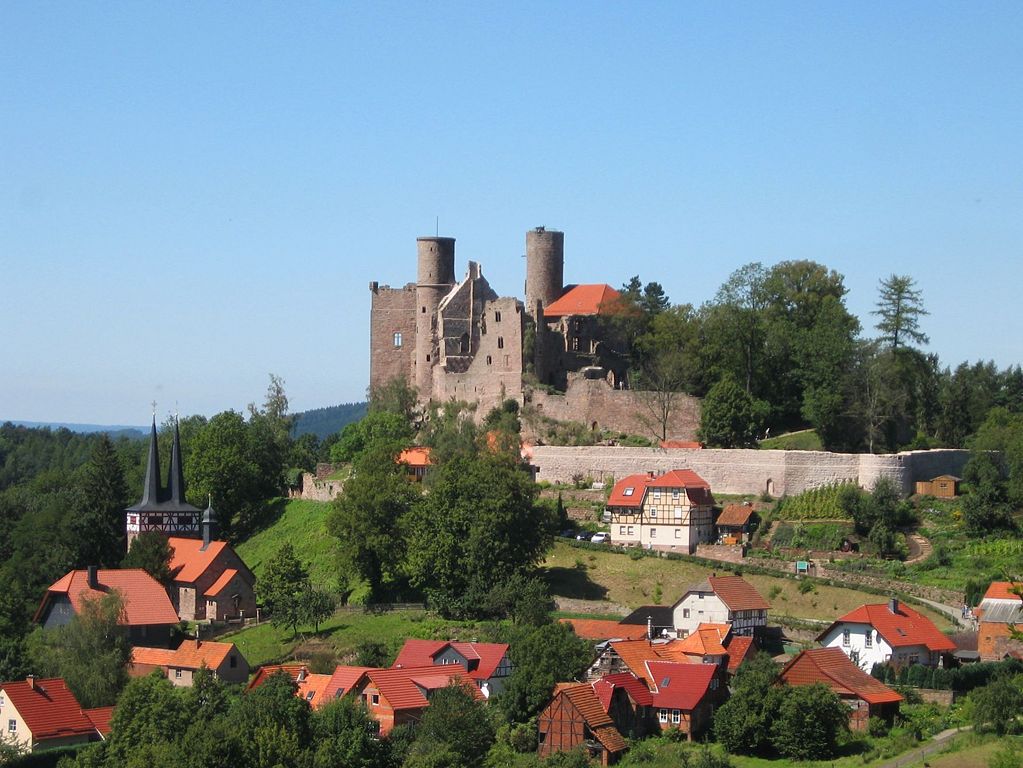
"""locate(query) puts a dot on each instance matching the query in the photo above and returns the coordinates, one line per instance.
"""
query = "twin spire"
(156, 497)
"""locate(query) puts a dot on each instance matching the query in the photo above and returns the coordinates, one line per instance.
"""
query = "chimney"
(31, 680)
(893, 605)
(93, 575)
(650, 474)
(649, 627)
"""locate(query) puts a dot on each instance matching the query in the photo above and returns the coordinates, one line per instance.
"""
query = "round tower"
(435, 277)
(545, 268)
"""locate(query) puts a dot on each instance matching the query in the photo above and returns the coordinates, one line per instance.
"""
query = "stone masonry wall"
(747, 471)
(593, 401)
(392, 310)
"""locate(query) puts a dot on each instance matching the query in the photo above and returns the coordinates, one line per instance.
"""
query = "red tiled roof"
(605, 629)
(48, 708)
(679, 478)
(735, 515)
(690, 445)
(600, 723)
(188, 655)
(188, 561)
(833, 668)
(737, 593)
(312, 688)
(220, 584)
(344, 679)
(593, 299)
(706, 640)
(906, 627)
(415, 457)
(739, 648)
(629, 491)
(636, 688)
(999, 590)
(636, 653)
(483, 658)
(680, 686)
(398, 685)
(145, 601)
(100, 717)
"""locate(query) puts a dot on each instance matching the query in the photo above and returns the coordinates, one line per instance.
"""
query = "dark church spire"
(176, 474)
(151, 493)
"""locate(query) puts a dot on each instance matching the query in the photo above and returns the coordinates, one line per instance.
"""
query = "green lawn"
(616, 577)
(303, 523)
(804, 440)
(340, 635)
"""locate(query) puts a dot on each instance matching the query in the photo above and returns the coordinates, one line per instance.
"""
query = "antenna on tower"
(154, 408)
(437, 223)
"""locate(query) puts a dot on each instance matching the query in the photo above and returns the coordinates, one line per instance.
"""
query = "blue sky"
(195, 195)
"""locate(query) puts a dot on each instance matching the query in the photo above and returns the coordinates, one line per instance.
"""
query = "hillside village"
(466, 577)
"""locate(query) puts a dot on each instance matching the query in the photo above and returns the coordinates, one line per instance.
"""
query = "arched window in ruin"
(769, 488)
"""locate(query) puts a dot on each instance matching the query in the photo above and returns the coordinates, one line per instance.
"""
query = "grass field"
(605, 575)
(805, 440)
(303, 523)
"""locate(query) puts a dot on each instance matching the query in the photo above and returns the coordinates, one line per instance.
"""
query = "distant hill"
(323, 422)
(114, 430)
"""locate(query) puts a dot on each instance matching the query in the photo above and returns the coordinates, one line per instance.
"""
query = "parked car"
(601, 538)
(583, 536)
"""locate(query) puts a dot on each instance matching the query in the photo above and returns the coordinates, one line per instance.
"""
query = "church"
(210, 581)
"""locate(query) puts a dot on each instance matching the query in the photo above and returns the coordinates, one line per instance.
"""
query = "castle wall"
(594, 401)
(748, 471)
(495, 373)
(392, 311)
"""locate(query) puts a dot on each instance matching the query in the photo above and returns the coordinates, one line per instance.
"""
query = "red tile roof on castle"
(900, 629)
(605, 629)
(100, 717)
(594, 299)
(737, 593)
(688, 445)
(483, 658)
(999, 590)
(600, 723)
(735, 515)
(145, 601)
(833, 668)
(679, 686)
(188, 561)
(48, 708)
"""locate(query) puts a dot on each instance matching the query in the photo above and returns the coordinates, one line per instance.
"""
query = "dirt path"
(919, 548)
(936, 744)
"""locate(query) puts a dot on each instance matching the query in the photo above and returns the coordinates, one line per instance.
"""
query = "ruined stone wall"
(747, 471)
(594, 401)
(392, 311)
(495, 373)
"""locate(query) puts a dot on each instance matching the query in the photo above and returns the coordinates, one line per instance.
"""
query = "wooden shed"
(941, 487)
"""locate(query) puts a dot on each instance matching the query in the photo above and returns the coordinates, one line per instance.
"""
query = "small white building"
(673, 511)
(721, 600)
(887, 633)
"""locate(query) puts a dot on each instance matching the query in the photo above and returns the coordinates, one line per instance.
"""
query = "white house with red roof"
(147, 613)
(487, 664)
(721, 600)
(223, 660)
(887, 633)
(673, 511)
(42, 713)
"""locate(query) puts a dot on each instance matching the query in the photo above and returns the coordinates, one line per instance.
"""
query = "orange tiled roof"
(737, 593)
(636, 688)
(601, 725)
(706, 640)
(636, 653)
(735, 515)
(344, 679)
(188, 655)
(100, 717)
(900, 629)
(48, 708)
(690, 445)
(483, 658)
(833, 668)
(629, 491)
(739, 649)
(605, 629)
(999, 590)
(415, 457)
(220, 584)
(311, 688)
(399, 686)
(188, 561)
(592, 299)
(145, 601)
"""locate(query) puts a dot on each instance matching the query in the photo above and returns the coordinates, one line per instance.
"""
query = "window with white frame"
(868, 639)
(397, 340)
(631, 530)
(662, 715)
(674, 493)
(845, 637)
(621, 530)
(685, 613)
(678, 533)
(653, 533)
(676, 716)
(177, 674)
(376, 699)
(12, 725)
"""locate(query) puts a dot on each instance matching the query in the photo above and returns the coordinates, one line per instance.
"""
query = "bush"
(877, 727)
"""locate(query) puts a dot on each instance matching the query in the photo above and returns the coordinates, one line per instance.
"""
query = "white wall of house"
(860, 643)
(696, 608)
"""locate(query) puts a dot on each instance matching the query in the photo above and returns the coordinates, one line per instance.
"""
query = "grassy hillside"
(804, 440)
(604, 575)
(303, 523)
